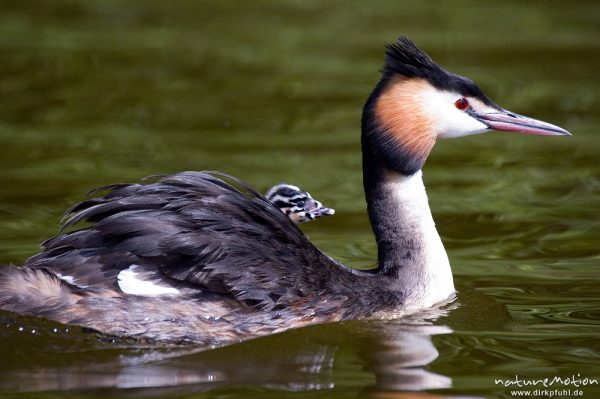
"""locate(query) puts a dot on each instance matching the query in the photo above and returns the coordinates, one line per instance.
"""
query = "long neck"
(410, 251)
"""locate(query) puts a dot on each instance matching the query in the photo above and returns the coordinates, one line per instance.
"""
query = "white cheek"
(449, 121)
(457, 123)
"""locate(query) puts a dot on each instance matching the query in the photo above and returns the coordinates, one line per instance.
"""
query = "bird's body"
(189, 258)
(203, 257)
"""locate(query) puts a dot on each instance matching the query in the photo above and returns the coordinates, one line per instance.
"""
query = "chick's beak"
(506, 121)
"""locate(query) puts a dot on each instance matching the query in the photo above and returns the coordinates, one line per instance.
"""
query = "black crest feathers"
(405, 58)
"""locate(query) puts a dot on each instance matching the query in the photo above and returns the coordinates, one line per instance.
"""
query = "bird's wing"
(195, 229)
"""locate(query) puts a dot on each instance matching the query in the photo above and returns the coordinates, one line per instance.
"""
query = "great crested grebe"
(203, 257)
(297, 204)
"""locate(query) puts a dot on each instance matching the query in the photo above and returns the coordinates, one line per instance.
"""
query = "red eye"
(462, 103)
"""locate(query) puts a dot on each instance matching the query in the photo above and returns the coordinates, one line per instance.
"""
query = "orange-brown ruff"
(202, 257)
(403, 117)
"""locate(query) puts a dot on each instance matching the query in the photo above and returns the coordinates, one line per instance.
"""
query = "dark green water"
(98, 92)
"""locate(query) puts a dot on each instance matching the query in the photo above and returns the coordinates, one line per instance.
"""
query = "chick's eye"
(462, 103)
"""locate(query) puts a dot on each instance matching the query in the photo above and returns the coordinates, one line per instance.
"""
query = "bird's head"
(297, 204)
(417, 102)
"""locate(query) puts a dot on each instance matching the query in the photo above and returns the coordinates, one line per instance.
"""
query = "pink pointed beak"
(506, 121)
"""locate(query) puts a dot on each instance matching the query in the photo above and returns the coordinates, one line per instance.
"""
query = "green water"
(97, 92)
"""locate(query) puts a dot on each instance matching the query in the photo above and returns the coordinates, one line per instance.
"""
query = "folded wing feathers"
(196, 228)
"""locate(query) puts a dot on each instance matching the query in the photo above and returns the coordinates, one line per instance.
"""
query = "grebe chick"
(297, 204)
(203, 257)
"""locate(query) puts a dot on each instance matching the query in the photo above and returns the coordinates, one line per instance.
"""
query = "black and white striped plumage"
(297, 204)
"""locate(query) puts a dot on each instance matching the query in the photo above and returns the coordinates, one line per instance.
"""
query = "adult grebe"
(195, 258)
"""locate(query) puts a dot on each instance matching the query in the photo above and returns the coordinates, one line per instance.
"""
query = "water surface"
(98, 92)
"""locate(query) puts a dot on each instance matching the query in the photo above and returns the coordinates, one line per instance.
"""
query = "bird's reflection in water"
(395, 354)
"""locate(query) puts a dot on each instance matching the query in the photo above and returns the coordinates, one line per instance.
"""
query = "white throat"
(424, 273)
